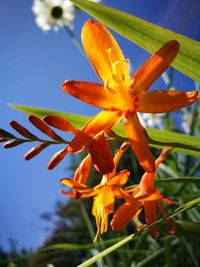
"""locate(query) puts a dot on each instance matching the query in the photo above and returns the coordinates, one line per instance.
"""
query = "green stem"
(75, 40)
(181, 209)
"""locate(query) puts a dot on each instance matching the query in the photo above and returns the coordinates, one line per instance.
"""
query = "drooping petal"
(120, 178)
(82, 172)
(102, 50)
(139, 143)
(124, 215)
(78, 186)
(103, 121)
(164, 101)
(93, 94)
(154, 67)
(141, 196)
(101, 155)
(150, 216)
(170, 221)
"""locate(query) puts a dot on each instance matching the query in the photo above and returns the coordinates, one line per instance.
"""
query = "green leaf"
(147, 35)
(189, 145)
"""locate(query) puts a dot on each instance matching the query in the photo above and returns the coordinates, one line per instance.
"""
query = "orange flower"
(98, 146)
(122, 96)
(146, 195)
(104, 193)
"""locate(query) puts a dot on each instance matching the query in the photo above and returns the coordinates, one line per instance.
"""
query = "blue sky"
(33, 66)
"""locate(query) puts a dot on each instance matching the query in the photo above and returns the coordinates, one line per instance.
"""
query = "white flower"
(152, 120)
(96, 1)
(53, 13)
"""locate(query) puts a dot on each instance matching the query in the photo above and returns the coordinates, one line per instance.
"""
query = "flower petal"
(156, 195)
(120, 178)
(103, 202)
(103, 121)
(117, 157)
(154, 66)
(82, 172)
(83, 189)
(98, 42)
(92, 93)
(139, 143)
(170, 221)
(164, 101)
(101, 155)
(124, 215)
(150, 216)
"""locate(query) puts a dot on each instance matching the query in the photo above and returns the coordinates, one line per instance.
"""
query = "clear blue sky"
(33, 66)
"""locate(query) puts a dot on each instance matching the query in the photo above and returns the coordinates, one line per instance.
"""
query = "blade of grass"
(186, 144)
(181, 209)
(147, 35)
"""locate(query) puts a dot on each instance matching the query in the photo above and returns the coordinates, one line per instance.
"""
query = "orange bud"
(35, 151)
(57, 158)
(13, 143)
(60, 124)
(23, 131)
(43, 127)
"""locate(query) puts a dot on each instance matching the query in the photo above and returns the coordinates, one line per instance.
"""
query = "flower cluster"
(121, 97)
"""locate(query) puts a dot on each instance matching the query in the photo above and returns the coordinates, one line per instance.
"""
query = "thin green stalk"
(181, 209)
(190, 252)
(155, 255)
(75, 40)
(137, 246)
(168, 251)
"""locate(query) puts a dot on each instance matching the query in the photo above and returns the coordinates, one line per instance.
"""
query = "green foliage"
(147, 35)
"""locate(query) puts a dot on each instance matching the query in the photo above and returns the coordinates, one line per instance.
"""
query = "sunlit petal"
(117, 157)
(74, 184)
(139, 143)
(93, 93)
(82, 173)
(102, 50)
(154, 67)
(104, 201)
(103, 121)
(124, 215)
(164, 101)
(120, 178)
(156, 195)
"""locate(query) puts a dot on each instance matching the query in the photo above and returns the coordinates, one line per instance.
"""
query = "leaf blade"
(147, 35)
(186, 144)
